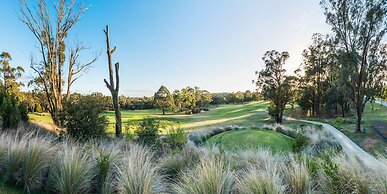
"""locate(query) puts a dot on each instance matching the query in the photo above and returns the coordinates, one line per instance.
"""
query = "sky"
(216, 45)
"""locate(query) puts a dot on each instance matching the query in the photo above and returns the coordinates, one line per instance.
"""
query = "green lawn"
(251, 114)
(374, 118)
(252, 138)
(46, 118)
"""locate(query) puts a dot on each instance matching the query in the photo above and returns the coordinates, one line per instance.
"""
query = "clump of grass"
(173, 165)
(260, 180)
(107, 156)
(211, 176)
(37, 159)
(138, 174)
(297, 176)
(13, 159)
(72, 171)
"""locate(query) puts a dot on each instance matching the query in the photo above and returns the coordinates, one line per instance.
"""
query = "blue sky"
(214, 44)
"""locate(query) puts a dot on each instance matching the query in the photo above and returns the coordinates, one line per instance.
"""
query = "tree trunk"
(343, 110)
(111, 84)
(358, 119)
(163, 111)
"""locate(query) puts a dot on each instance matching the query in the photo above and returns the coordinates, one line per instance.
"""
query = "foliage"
(12, 110)
(9, 74)
(163, 99)
(148, 131)
(299, 143)
(359, 27)
(82, 118)
(176, 138)
(274, 84)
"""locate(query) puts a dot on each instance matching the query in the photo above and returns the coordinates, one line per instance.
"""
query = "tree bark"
(113, 87)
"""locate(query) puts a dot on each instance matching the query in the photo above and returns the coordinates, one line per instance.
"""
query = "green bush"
(176, 138)
(12, 110)
(300, 141)
(82, 118)
(148, 131)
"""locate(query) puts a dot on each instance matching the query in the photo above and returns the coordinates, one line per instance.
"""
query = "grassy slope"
(251, 139)
(251, 114)
(373, 117)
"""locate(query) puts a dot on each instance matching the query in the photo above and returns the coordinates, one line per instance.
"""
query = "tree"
(359, 26)
(113, 87)
(9, 75)
(51, 24)
(238, 97)
(317, 60)
(248, 96)
(163, 99)
(274, 84)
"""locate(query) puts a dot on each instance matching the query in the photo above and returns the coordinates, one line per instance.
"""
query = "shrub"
(138, 174)
(148, 131)
(211, 176)
(82, 118)
(12, 110)
(176, 138)
(299, 143)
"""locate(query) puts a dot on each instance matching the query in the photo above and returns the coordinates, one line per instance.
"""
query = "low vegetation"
(117, 166)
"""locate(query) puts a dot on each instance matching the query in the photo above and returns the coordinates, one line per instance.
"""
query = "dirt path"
(349, 147)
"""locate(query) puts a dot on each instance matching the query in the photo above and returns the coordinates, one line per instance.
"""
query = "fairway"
(241, 114)
(252, 138)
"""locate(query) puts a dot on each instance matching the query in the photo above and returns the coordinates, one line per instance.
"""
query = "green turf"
(46, 118)
(252, 138)
(250, 114)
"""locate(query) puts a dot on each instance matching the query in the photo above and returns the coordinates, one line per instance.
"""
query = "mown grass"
(375, 116)
(252, 138)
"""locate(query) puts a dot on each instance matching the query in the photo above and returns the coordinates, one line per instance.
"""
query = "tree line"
(341, 71)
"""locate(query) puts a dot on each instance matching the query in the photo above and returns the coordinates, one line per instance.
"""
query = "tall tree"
(111, 85)
(274, 84)
(51, 24)
(9, 75)
(359, 27)
(163, 99)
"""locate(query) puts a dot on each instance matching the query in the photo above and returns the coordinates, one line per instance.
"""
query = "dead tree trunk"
(113, 87)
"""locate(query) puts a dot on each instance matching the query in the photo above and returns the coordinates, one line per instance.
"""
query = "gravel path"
(349, 147)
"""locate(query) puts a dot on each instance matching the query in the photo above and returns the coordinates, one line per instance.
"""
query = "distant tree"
(238, 97)
(178, 98)
(384, 93)
(359, 27)
(51, 25)
(9, 75)
(274, 84)
(248, 96)
(163, 99)
(203, 99)
(112, 85)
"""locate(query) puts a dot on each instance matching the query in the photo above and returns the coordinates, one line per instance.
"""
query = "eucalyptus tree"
(359, 27)
(274, 84)
(50, 22)
(9, 74)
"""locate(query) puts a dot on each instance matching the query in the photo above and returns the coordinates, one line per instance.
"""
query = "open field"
(374, 121)
(252, 138)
